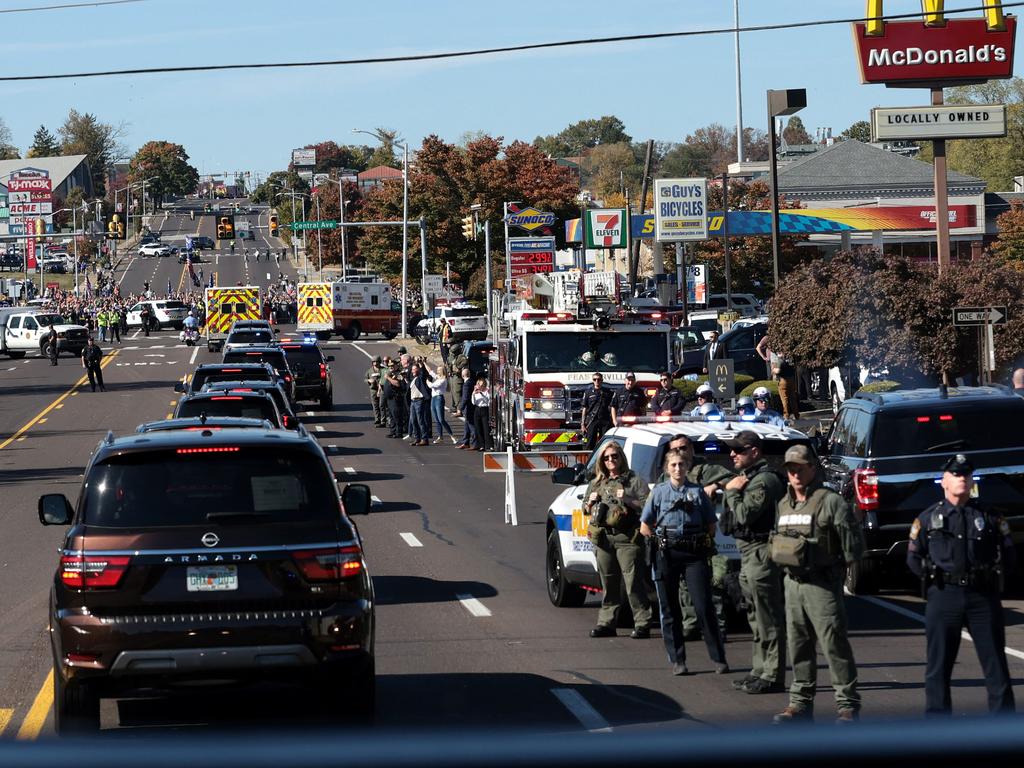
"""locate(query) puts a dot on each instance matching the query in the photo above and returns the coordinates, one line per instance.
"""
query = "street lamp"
(295, 246)
(341, 209)
(405, 227)
(780, 103)
(74, 233)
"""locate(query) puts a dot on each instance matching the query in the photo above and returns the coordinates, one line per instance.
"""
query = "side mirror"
(568, 475)
(55, 509)
(330, 358)
(356, 498)
(179, 386)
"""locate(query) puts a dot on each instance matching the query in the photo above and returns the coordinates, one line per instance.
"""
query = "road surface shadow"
(406, 590)
(39, 474)
(395, 506)
(367, 477)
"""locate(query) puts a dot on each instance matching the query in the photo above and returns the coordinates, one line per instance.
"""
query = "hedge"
(881, 386)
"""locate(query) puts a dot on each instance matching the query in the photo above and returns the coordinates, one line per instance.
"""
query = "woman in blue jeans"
(438, 387)
(420, 398)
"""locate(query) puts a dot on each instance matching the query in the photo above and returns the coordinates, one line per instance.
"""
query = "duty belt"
(986, 578)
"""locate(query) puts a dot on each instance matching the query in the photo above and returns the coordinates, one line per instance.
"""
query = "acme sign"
(936, 50)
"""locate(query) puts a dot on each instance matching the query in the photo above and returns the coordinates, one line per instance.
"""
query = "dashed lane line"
(192, 360)
(319, 428)
(919, 618)
(376, 500)
(581, 709)
(350, 470)
(474, 606)
(36, 717)
(411, 540)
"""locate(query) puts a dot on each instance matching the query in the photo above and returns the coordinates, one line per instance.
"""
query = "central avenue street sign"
(979, 316)
(322, 224)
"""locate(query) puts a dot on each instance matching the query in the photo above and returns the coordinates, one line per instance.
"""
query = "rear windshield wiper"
(232, 515)
(943, 446)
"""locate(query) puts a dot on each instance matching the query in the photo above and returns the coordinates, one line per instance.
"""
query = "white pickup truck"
(24, 329)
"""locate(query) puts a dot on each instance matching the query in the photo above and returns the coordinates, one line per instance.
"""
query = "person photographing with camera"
(679, 519)
(614, 499)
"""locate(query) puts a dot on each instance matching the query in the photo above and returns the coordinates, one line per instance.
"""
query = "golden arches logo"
(934, 16)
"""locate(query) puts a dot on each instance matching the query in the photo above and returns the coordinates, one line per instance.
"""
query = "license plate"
(212, 578)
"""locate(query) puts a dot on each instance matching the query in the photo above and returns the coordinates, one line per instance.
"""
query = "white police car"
(570, 564)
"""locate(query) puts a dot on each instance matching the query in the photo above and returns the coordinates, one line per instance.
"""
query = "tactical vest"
(801, 523)
(758, 532)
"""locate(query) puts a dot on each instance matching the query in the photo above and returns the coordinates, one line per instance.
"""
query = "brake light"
(923, 419)
(323, 371)
(227, 397)
(230, 370)
(243, 389)
(945, 418)
(331, 564)
(865, 487)
(92, 571)
(215, 449)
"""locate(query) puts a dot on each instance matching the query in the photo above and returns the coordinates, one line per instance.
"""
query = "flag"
(88, 288)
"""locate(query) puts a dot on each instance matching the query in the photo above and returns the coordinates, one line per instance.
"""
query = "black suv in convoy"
(884, 453)
(245, 405)
(208, 372)
(289, 420)
(272, 355)
(211, 555)
(311, 370)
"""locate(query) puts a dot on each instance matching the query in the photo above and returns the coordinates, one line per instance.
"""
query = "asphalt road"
(466, 636)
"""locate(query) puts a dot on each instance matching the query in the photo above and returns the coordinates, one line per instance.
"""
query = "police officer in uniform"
(961, 552)
(91, 356)
(816, 536)
(396, 390)
(51, 344)
(679, 518)
(373, 384)
(596, 418)
(630, 401)
(667, 401)
(750, 501)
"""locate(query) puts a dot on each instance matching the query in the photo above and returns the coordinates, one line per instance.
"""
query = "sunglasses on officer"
(740, 450)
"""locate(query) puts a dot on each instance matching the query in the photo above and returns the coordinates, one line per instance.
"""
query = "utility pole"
(725, 242)
(319, 242)
(487, 265)
(634, 262)
(739, 88)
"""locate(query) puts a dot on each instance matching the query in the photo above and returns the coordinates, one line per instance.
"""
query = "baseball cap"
(403, 351)
(799, 454)
(958, 465)
(745, 439)
(631, 375)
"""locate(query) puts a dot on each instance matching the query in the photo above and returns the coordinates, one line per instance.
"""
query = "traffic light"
(468, 230)
(115, 228)
(226, 228)
(273, 225)
(40, 227)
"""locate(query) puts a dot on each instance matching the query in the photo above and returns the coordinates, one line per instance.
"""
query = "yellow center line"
(41, 416)
(36, 717)
(181, 280)
(5, 719)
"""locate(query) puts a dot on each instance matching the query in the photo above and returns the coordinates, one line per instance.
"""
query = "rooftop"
(58, 168)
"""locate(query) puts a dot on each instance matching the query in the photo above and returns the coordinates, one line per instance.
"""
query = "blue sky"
(250, 120)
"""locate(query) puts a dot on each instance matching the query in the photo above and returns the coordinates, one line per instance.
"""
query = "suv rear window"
(174, 305)
(250, 337)
(230, 405)
(978, 426)
(201, 378)
(274, 357)
(303, 354)
(170, 489)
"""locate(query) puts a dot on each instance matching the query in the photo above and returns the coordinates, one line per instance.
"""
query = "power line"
(69, 5)
(482, 51)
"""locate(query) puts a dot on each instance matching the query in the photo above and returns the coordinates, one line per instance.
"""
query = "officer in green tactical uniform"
(373, 375)
(614, 499)
(750, 501)
(816, 537)
(459, 361)
(712, 478)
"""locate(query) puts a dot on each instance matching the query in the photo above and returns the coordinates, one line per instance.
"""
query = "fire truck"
(544, 359)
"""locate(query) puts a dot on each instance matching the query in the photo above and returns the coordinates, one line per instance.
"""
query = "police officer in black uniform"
(597, 411)
(668, 399)
(962, 553)
(630, 401)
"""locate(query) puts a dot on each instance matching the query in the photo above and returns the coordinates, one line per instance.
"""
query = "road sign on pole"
(722, 379)
(979, 316)
(322, 224)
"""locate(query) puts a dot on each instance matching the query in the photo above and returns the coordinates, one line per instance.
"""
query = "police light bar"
(669, 419)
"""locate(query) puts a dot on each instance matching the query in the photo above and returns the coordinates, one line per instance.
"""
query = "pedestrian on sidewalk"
(466, 407)
(419, 397)
(438, 387)
(481, 415)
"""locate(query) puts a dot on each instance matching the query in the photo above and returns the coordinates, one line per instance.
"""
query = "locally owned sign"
(911, 53)
(964, 121)
(530, 219)
(680, 209)
(606, 228)
(531, 255)
(979, 316)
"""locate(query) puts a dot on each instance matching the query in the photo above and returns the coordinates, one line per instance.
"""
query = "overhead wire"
(483, 51)
(63, 6)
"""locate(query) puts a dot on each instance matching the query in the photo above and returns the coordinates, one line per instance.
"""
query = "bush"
(773, 390)
(881, 386)
(689, 388)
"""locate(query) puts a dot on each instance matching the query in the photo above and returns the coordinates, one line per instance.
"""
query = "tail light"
(865, 487)
(323, 371)
(287, 420)
(92, 571)
(330, 564)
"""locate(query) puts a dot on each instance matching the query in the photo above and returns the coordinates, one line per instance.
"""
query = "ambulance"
(226, 305)
(315, 313)
(353, 309)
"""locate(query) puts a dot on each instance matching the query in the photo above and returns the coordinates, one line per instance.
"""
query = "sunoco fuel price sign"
(680, 209)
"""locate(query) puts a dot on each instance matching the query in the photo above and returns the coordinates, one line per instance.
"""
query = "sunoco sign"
(530, 219)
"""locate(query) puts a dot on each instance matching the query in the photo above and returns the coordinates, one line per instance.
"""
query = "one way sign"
(979, 316)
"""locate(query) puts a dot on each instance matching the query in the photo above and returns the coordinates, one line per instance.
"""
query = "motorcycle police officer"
(630, 401)
(680, 520)
(749, 515)
(596, 417)
(962, 552)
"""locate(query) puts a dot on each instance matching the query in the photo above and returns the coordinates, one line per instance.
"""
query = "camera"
(599, 514)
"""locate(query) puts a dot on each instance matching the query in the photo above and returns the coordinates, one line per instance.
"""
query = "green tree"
(166, 168)
(1009, 243)
(795, 133)
(7, 149)
(705, 152)
(614, 167)
(860, 131)
(44, 144)
(84, 134)
(586, 134)
(331, 156)
(276, 183)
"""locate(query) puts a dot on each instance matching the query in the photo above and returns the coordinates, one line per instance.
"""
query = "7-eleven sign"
(606, 228)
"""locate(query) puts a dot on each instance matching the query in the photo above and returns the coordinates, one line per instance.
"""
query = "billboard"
(303, 157)
(680, 209)
(963, 121)
(531, 255)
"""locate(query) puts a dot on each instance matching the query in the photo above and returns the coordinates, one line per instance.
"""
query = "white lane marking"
(411, 540)
(158, 354)
(376, 500)
(136, 334)
(350, 470)
(12, 369)
(919, 618)
(354, 344)
(581, 709)
(125, 273)
(319, 428)
(195, 352)
(474, 606)
(308, 413)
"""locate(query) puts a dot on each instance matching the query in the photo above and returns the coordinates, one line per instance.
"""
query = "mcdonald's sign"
(936, 50)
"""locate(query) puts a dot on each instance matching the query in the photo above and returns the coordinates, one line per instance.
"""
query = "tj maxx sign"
(936, 49)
